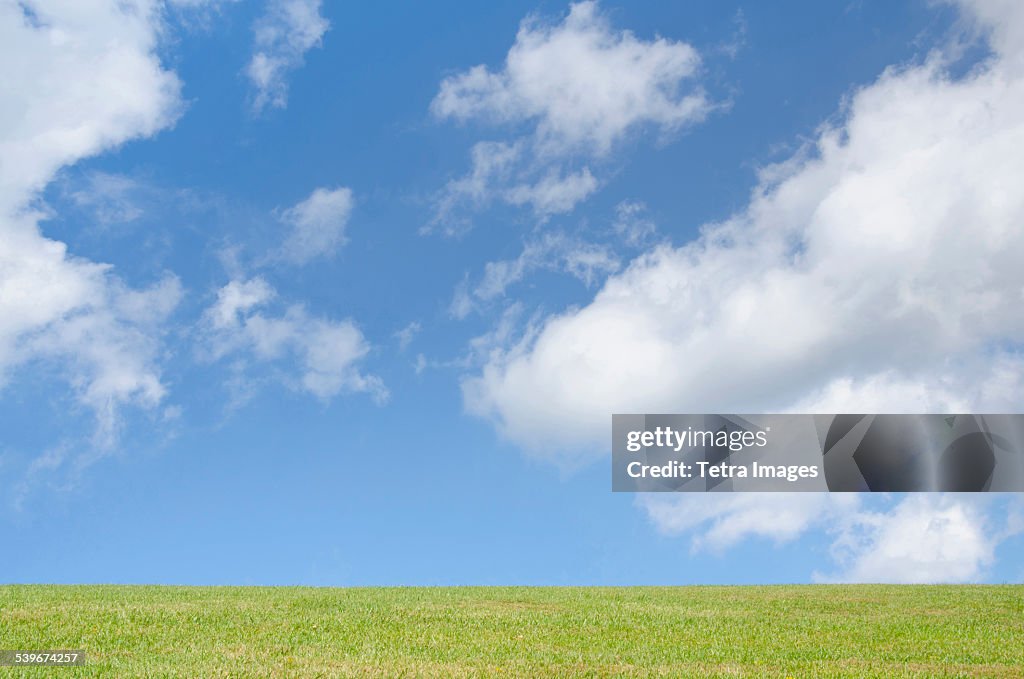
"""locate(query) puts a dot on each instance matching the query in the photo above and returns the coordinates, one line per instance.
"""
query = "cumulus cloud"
(584, 84)
(923, 539)
(316, 225)
(316, 355)
(283, 34)
(580, 87)
(876, 270)
(934, 538)
(80, 78)
(880, 265)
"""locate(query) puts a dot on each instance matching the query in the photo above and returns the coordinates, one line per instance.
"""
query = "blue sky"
(375, 277)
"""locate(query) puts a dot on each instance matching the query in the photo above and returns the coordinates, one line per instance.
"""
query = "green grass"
(794, 631)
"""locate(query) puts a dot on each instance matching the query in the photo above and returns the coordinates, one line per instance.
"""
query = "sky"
(304, 293)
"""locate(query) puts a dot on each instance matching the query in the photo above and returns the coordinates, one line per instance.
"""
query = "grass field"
(687, 631)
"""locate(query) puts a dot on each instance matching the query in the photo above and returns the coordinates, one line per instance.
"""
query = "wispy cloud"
(316, 225)
(552, 251)
(316, 355)
(283, 34)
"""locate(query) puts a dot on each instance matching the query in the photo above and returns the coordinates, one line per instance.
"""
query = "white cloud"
(198, 4)
(554, 251)
(286, 31)
(40, 470)
(590, 263)
(110, 198)
(316, 355)
(406, 335)
(462, 303)
(581, 87)
(878, 270)
(883, 264)
(196, 15)
(80, 78)
(235, 299)
(723, 520)
(632, 224)
(1003, 20)
(931, 538)
(553, 193)
(502, 173)
(923, 539)
(109, 350)
(582, 82)
(317, 225)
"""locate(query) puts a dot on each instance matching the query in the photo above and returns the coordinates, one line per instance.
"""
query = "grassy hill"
(511, 631)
